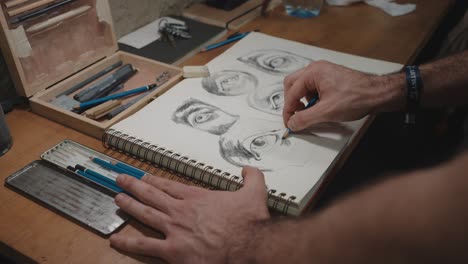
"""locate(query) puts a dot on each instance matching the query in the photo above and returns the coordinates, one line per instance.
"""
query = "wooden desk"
(47, 237)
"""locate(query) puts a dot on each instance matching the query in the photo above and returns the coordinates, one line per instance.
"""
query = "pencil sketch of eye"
(204, 117)
(258, 143)
(276, 62)
(268, 99)
(252, 150)
(230, 83)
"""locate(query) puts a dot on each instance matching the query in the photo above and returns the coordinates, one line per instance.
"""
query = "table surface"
(44, 236)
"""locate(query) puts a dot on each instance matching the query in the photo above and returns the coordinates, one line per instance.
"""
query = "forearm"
(418, 217)
(446, 81)
(445, 84)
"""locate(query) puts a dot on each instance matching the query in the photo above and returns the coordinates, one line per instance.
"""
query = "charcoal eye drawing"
(250, 150)
(275, 61)
(205, 117)
(268, 99)
(258, 143)
(254, 142)
(230, 83)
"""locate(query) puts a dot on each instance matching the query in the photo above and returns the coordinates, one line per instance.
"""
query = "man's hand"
(200, 226)
(345, 95)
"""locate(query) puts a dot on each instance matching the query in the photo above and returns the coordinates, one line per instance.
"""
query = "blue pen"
(311, 103)
(225, 42)
(124, 169)
(114, 96)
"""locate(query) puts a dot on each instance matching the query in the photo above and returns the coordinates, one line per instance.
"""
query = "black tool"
(104, 86)
(91, 79)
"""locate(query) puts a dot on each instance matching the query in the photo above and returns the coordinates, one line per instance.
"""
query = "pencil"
(225, 42)
(94, 102)
(311, 103)
(132, 171)
(119, 167)
(101, 180)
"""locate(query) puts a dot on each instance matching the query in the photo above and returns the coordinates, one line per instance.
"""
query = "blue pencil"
(311, 103)
(97, 180)
(134, 171)
(114, 96)
(225, 42)
(108, 165)
(119, 168)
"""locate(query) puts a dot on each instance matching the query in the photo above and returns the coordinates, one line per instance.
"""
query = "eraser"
(196, 71)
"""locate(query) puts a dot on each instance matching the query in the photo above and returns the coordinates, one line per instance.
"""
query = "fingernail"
(118, 199)
(292, 124)
(114, 237)
(120, 178)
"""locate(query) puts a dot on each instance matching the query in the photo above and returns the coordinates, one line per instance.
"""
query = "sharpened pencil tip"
(286, 134)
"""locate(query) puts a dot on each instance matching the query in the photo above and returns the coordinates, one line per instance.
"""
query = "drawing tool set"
(100, 99)
(161, 79)
(77, 182)
(64, 53)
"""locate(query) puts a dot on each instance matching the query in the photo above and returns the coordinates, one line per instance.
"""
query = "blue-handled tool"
(95, 102)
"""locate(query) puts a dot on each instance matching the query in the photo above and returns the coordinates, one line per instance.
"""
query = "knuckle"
(139, 242)
(319, 65)
(192, 190)
(171, 248)
(148, 212)
(180, 208)
(164, 186)
(147, 178)
(149, 191)
(321, 62)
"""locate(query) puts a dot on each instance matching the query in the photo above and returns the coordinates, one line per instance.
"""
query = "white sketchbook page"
(243, 130)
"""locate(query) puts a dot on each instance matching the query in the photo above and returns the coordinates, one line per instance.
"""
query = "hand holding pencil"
(344, 95)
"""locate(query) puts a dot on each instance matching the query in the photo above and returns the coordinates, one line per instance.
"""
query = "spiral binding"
(181, 165)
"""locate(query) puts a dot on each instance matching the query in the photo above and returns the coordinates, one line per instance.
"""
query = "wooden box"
(49, 53)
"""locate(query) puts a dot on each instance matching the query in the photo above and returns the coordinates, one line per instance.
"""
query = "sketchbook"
(209, 128)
